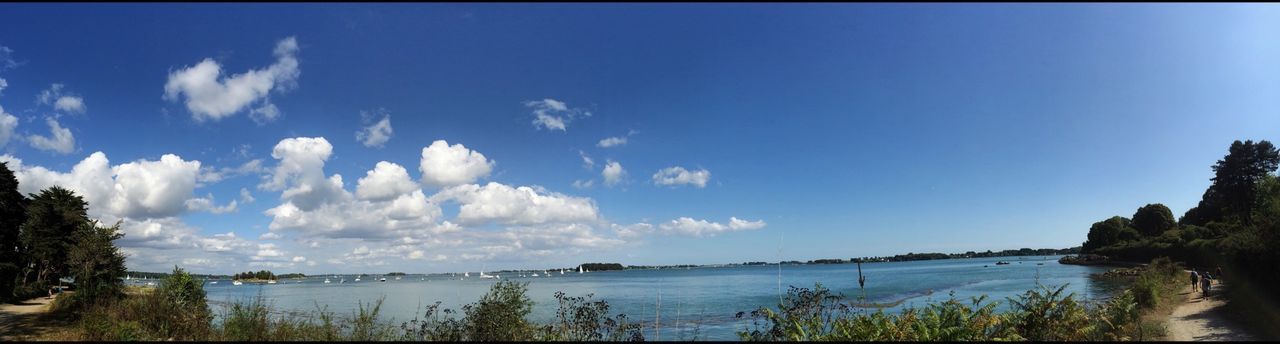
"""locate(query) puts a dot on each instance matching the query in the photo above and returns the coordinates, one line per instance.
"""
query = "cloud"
(386, 181)
(677, 175)
(613, 173)
(264, 114)
(6, 59)
(553, 114)
(583, 184)
(140, 189)
(211, 175)
(3, 85)
(7, 125)
(245, 196)
(66, 103)
(503, 204)
(632, 231)
(445, 165)
(700, 228)
(612, 141)
(207, 204)
(300, 173)
(70, 104)
(210, 95)
(386, 205)
(376, 134)
(587, 163)
(270, 236)
(61, 142)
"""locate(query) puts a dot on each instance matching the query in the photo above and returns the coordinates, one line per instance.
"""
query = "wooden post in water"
(862, 282)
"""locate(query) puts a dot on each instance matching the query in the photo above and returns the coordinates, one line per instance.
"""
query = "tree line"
(1235, 225)
(48, 237)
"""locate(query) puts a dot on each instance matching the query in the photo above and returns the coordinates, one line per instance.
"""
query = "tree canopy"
(53, 216)
(1153, 219)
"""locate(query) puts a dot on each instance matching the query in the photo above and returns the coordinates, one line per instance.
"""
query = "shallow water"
(697, 302)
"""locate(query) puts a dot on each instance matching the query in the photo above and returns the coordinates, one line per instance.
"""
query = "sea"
(698, 303)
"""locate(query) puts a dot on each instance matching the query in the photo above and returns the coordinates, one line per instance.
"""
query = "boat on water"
(561, 271)
(327, 281)
(357, 279)
(271, 281)
(397, 278)
(483, 275)
(236, 283)
(383, 279)
(1002, 263)
(580, 269)
(466, 274)
(214, 282)
(535, 274)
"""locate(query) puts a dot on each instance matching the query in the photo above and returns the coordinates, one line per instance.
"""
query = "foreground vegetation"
(177, 310)
(1044, 314)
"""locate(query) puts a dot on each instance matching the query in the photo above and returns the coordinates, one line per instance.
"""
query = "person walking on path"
(1195, 279)
(1204, 285)
(1218, 272)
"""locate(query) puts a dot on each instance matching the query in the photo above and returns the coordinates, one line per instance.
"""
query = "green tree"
(96, 263)
(53, 216)
(1108, 232)
(13, 212)
(1233, 195)
(1153, 219)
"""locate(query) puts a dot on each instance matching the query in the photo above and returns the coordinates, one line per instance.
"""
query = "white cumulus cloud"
(613, 173)
(300, 173)
(445, 165)
(499, 203)
(210, 95)
(386, 181)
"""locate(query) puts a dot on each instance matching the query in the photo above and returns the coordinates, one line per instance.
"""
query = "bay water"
(694, 303)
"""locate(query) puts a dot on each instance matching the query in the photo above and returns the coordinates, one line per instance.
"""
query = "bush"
(500, 313)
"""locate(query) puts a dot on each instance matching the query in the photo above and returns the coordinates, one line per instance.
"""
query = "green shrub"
(500, 314)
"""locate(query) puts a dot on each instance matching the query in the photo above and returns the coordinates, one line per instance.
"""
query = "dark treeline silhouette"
(259, 275)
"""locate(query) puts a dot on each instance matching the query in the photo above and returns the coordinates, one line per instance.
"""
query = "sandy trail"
(1200, 319)
(18, 321)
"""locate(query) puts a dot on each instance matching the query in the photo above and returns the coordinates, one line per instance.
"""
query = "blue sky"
(849, 129)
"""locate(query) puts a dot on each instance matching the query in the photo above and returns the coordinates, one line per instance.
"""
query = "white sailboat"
(561, 271)
(326, 281)
(466, 274)
(214, 282)
(580, 270)
(482, 275)
(382, 279)
(236, 282)
(271, 281)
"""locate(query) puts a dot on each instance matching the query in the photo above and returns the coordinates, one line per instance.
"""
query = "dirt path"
(1200, 319)
(29, 320)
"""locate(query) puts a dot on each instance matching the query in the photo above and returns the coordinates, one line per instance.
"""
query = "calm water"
(699, 301)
